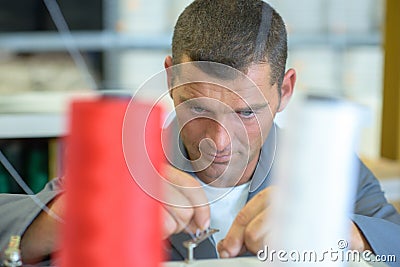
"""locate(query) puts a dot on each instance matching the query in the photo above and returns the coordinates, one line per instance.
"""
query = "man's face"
(224, 124)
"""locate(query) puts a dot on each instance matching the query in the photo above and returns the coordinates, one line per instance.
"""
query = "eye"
(246, 114)
(198, 110)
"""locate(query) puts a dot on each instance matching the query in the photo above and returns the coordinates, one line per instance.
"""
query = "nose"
(219, 135)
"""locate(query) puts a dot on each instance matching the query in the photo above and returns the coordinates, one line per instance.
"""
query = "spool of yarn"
(109, 220)
(316, 180)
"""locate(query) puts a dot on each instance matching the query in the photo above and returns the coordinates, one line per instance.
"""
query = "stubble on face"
(243, 113)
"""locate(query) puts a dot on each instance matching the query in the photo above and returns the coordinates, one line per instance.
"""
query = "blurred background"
(336, 46)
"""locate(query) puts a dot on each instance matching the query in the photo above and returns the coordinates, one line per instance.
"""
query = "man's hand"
(187, 207)
(40, 238)
(250, 229)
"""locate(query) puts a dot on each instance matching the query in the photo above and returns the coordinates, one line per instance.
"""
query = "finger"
(260, 201)
(181, 216)
(256, 232)
(169, 224)
(194, 196)
(201, 217)
(178, 224)
(187, 185)
(220, 246)
(234, 240)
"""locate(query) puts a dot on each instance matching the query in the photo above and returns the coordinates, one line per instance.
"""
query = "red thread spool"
(110, 221)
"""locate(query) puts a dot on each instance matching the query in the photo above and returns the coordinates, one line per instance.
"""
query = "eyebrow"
(249, 107)
(255, 107)
(184, 99)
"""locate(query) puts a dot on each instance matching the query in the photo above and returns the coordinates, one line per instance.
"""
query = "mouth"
(220, 158)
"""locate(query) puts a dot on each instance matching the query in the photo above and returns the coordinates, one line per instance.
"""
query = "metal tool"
(198, 238)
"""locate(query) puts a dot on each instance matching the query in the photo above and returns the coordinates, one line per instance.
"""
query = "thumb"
(223, 252)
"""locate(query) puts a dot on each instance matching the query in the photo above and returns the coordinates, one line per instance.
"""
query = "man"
(227, 80)
(250, 37)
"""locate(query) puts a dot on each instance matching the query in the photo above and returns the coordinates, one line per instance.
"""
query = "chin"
(222, 175)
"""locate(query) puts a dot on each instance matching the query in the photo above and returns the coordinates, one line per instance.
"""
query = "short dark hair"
(227, 32)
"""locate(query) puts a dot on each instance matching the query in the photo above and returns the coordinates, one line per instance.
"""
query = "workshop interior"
(76, 80)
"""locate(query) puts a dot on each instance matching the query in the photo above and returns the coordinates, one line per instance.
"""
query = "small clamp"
(193, 243)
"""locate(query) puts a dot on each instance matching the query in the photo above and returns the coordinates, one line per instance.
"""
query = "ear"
(167, 65)
(167, 62)
(287, 88)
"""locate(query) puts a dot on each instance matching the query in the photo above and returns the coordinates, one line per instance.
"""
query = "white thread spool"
(316, 178)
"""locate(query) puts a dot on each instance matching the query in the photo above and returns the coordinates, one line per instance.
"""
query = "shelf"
(84, 40)
(335, 40)
(109, 40)
(40, 102)
(32, 125)
(36, 114)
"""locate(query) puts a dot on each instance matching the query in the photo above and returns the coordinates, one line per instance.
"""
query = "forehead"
(227, 85)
